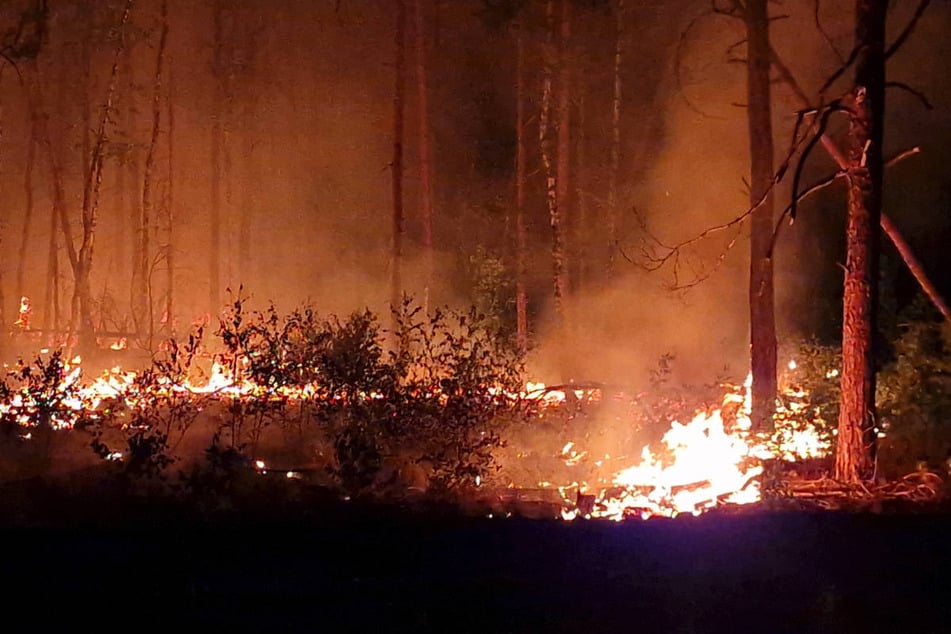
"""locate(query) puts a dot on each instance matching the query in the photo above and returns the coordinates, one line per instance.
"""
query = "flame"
(23, 314)
(712, 459)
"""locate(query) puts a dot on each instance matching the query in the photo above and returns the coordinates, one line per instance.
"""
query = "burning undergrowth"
(429, 406)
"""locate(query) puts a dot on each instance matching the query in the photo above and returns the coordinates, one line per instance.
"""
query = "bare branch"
(913, 91)
(908, 29)
(825, 34)
(841, 70)
(822, 184)
(678, 61)
(833, 107)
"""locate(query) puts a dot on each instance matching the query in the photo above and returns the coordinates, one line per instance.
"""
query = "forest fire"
(710, 460)
(713, 459)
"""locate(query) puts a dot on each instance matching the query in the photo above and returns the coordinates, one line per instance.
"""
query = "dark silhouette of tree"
(761, 301)
(399, 88)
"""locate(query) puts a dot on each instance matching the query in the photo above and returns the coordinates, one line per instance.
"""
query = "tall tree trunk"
(761, 303)
(582, 221)
(145, 252)
(855, 443)
(82, 291)
(425, 160)
(521, 234)
(249, 186)
(396, 254)
(217, 142)
(59, 222)
(544, 143)
(169, 246)
(3, 314)
(612, 220)
(562, 167)
(27, 207)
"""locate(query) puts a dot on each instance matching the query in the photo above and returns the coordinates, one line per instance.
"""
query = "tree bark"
(169, 247)
(855, 444)
(27, 207)
(615, 140)
(544, 142)
(521, 234)
(563, 165)
(217, 142)
(396, 253)
(425, 161)
(761, 296)
(145, 248)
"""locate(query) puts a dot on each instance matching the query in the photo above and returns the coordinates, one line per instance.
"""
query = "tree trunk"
(147, 183)
(396, 254)
(521, 234)
(563, 166)
(217, 142)
(425, 161)
(169, 246)
(855, 444)
(612, 220)
(82, 292)
(28, 206)
(59, 222)
(544, 142)
(582, 221)
(761, 303)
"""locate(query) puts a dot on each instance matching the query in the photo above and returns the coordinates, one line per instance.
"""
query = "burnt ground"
(354, 569)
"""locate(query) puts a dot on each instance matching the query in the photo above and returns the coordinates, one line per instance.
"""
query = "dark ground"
(372, 570)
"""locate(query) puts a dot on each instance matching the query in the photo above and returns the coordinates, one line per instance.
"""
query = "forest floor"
(330, 566)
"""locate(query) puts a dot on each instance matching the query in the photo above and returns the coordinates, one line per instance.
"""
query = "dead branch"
(678, 59)
(907, 31)
(920, 96)
(825, 34)
(822, 184)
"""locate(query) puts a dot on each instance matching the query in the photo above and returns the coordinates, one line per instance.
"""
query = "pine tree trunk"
(761, 302)
(521, 234)
(145, 252)
(425, 160)
(563, 168)
(59, 222)
(27, 207)
(217, 142)
(612, 203)
(855, 443)
(396, 254)
(169, 246)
